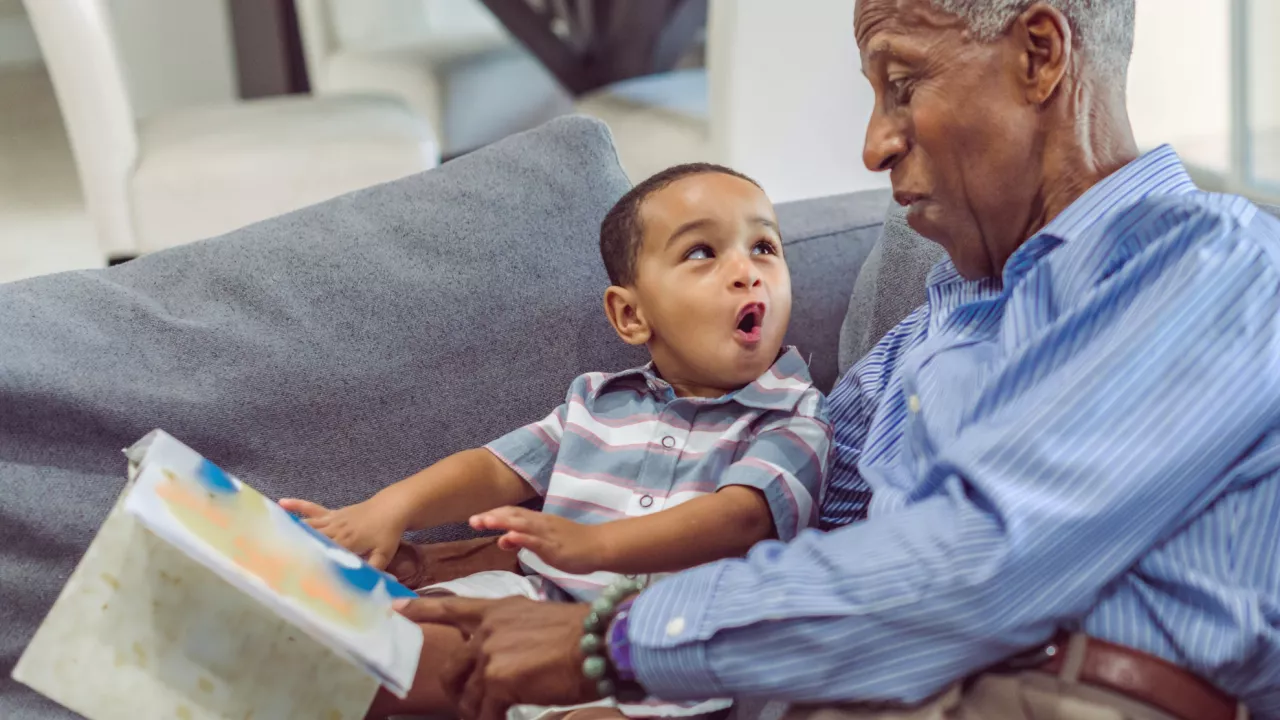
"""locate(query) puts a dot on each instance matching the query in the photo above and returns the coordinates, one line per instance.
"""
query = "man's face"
(952, 128)
(711, 281)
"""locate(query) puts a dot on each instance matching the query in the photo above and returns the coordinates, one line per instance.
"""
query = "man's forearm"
(456, 488)
(712, 527)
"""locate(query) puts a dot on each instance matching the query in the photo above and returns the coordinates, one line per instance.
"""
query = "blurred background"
(128, 126)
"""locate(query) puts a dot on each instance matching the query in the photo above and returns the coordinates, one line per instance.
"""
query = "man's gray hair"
(1103, 29)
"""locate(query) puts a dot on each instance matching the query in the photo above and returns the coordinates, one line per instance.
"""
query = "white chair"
(185, 175)
(403, 48)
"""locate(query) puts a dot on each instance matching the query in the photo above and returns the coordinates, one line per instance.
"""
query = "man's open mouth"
(750, 322)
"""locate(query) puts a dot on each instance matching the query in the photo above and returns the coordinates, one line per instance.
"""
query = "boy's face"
(712, 295)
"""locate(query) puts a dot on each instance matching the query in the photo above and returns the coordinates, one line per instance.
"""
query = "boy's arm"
(449, 491)
(510, 470)
(773, 490)
(453, 490)
(711, 527)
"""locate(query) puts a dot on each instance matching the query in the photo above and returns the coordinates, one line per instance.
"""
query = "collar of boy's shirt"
(778, 388)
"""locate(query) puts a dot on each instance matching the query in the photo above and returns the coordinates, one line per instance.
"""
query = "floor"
(43, 225)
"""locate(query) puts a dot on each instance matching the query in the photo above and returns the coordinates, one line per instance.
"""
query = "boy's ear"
(621, 305)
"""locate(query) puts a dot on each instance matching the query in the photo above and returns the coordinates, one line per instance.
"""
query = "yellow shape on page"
(238, 524)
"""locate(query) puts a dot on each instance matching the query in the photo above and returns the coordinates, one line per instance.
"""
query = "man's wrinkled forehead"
(874, 20)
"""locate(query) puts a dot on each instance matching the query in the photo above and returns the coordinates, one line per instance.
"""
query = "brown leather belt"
(1136, 675)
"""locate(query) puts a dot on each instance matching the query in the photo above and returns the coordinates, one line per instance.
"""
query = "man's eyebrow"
(688, 227)
(880, 50)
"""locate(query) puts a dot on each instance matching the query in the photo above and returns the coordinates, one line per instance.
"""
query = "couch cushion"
(826, 241)
(322, 354)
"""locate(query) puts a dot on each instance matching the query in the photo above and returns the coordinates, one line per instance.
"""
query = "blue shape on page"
(215, 479)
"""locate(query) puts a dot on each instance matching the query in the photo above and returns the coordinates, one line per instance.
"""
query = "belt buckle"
(1033, 658)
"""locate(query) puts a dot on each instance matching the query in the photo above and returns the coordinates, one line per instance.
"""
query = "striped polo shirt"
(623, 445)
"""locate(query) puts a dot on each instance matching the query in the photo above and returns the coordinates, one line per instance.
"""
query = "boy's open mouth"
(750, 321)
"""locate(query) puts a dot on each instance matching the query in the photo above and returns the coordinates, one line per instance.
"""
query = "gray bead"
(594, 667)
(592, 623)
(605, 688)
(591, 644)
(602, 605)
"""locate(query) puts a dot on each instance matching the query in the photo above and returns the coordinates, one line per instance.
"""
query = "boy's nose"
(745, 274)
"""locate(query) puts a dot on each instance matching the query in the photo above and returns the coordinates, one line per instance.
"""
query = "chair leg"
(113, 260)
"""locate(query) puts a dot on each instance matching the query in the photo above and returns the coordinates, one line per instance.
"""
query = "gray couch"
(330, 352)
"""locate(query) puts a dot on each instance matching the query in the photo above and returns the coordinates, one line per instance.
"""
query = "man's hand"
(371, 529)
(518, 652)
(564, 544)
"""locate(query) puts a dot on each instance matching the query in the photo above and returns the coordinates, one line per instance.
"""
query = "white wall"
(789, 105)
(176, 53)
(17, 43)
(1264, 65)
(1180, 78)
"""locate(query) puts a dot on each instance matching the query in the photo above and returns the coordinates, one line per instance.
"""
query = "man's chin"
(923, 217)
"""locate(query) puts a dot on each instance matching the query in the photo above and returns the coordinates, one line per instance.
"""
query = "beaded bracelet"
(596, 666)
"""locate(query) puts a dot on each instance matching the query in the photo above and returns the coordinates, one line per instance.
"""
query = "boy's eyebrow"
(767, 223)
(688, 228)
(693, 225)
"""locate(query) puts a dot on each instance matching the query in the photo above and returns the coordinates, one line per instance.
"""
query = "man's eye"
(765, 247)
(901, 89)
(701, 252)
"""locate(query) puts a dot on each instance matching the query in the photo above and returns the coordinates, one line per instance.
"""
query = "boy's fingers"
(379, 559)
(506, 518)
(303, 507)
(462, 613)
(519, 541)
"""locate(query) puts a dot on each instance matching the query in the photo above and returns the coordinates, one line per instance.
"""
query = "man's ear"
(1045, 35)
(623, 309)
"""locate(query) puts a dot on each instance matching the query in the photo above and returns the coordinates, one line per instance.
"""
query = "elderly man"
(1074, 445)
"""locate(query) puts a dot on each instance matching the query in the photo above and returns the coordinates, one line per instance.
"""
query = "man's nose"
(885, 145)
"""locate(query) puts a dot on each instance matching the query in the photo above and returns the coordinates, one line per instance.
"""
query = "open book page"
(251, 542)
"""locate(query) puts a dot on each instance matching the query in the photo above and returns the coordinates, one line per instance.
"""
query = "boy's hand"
(563, 544)
(369, 529)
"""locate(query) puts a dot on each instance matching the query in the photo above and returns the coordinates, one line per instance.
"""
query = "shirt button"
(668, 441)
(675, 627)
(646, 501)
(913, 403)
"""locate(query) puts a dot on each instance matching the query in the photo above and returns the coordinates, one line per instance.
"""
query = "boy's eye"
(765, 247)
(701, 252)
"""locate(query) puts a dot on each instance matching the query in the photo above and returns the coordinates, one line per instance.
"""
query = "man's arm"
(1129, 412)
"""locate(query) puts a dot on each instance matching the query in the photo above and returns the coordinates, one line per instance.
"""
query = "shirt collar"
(779, 388)
(1157, 173)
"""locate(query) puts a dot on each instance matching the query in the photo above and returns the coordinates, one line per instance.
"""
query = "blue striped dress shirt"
(1090, 441)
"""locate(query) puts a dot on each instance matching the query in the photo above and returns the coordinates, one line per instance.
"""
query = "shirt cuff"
(664, 629)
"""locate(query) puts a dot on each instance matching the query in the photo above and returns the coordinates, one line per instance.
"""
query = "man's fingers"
(303, 507)
(507, 518)
(457, 671)
(492, 708)
(472, 698)
(462, 613)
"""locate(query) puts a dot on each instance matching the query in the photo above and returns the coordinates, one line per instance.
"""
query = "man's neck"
(1093, 141)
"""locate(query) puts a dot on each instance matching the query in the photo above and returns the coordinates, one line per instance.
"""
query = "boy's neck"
(688, 389)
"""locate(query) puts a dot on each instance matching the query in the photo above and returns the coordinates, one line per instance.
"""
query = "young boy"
(723, 432)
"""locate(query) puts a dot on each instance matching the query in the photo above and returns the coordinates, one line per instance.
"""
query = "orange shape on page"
(268, 566)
